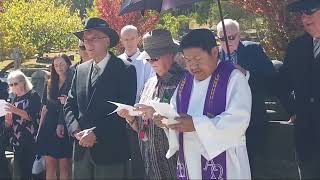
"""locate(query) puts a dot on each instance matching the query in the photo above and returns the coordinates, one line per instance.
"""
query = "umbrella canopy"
(128, 6)
(158, 5)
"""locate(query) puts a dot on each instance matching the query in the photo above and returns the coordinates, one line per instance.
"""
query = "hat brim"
(157, 52)
(112, 34)
(303, 5)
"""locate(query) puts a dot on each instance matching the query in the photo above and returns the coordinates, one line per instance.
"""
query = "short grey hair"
(129, 28)
(21, 77)
(228, 23)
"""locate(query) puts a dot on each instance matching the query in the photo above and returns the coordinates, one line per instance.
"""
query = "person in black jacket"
(300, 74)
(4, 136)
(250, 57)
(101, 150)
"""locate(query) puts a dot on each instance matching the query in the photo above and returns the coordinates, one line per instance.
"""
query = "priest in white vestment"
(214, 103)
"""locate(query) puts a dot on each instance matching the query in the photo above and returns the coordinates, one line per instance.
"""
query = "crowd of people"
(219, 92)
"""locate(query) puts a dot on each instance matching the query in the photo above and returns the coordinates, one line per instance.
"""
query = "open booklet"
(163, 109)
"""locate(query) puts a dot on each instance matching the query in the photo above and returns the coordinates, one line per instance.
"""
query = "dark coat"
(89, 107)
(300, 73)
(251, 56)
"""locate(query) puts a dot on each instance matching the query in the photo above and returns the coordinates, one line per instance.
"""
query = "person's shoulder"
(300, 41)
(122, 56)
(33, 94)
(251, 44)
(119, 63)
(84, 65)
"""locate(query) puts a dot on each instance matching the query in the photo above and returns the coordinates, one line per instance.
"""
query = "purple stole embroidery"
(215, 104)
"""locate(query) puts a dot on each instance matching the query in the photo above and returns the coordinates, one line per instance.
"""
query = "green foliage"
(37, 26)
(173, 23)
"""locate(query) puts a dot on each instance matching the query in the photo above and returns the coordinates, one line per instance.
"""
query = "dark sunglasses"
(152, 60)
(83, 48)
(13, 84)
(230, 38)
(308, 12)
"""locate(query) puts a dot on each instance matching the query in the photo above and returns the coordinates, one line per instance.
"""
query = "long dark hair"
(53, 83)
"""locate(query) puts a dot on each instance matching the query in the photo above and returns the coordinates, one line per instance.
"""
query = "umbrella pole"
(224, 29)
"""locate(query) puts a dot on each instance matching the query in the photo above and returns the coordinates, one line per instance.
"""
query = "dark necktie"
(130, 60)
(316, 47)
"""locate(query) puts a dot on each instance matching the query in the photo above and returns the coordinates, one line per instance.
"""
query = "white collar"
(103, 63)
(134, 56)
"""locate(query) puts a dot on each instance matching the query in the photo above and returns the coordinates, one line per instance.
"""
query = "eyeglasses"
(13, 84)
(95, 39)
(83, 48)
(309, 12)
(230, 38)
(152, 60)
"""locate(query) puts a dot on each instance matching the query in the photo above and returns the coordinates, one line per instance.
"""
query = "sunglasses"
(152, 60)
(309, 12)
(230, 38)
(13, 84)
(83, 48)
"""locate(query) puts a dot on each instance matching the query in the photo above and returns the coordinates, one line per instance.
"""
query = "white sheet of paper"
(127, 107)
(2, 106)
(164, 109)
(169, 121)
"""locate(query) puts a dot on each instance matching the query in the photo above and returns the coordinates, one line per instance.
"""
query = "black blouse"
(24, 131)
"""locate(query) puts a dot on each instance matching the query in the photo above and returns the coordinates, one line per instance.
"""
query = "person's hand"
(147, 111)
(241, 69)
(157, 119)
(63, 99)
(60, 130)
(125, 114)
(292, 119)
(11, 108)
(44, 111)
(8, 119)
(87, 138)
(185, 125)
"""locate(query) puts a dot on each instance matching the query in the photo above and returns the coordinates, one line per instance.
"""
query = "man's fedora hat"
(159, 42)
(101, 25)
(304, 5)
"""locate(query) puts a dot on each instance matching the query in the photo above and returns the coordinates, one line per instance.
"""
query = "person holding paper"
(214, 103)
(22, 118)
(101, 149)
(153, 142)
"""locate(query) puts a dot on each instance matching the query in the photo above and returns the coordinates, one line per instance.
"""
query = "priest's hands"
(86, 138)
(185, 125)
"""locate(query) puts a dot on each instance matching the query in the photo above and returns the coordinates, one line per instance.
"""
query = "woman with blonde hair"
(22, 116)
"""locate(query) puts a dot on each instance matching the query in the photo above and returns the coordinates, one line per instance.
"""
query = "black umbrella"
(162, 5)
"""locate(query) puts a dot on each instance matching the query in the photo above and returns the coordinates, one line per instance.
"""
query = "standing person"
(22, 117)
(101, 150)
(300, 73)
(4, 135)
(214, 104)
(259, 70)
(83, 55)
(153, 142)
(53, 140)
(129, 38)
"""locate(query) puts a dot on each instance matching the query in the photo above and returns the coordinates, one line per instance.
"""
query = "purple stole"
(215, 104)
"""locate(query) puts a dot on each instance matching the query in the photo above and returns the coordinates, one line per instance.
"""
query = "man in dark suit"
(251, 59)
(300, 74)
(101, 149)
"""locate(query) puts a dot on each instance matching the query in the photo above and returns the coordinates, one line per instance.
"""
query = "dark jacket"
(251, 56)
(300, 73)
(89, 107)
